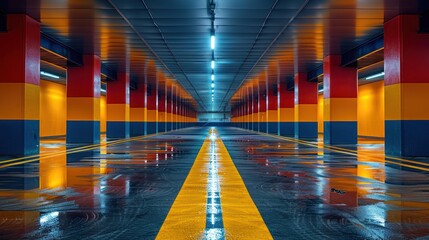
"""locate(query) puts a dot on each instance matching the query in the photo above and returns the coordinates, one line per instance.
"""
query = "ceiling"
(175, 34)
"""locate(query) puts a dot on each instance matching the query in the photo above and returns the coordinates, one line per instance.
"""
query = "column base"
(263, 127)
(137, 129)
(152, 127)
(273, 128)
(287, 129)
(161, 127)
(19, 137)
(118, 129)
(407, 138)
(83, 132)
(306, 130)
(340, 133)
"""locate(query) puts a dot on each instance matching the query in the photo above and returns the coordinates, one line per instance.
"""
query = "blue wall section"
(118, 129)
(338, 133)
(306, 130)
(85, 132)
(408, 138)
(19, 137)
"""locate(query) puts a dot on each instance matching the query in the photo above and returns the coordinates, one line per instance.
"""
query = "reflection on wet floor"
(126, 188)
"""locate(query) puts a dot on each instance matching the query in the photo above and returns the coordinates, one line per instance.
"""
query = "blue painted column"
(83, 101)
(19, 86)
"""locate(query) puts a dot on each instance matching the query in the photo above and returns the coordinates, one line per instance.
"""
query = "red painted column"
(255, 108)
(161, 107)
(406, 64)
(138, 110)
(272, 106)
(19, 86)
(169, 109)
(262, 103)
(305, 107)
(249, 108)
(152, 103)
(286, 110)
(83, 101)
(118, 106)
(340, 102)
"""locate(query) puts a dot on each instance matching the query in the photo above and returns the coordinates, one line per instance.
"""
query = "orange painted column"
(161, 108)
(83, 101)
(138, 110)
(262, 103)
(255, 108)
(272, 106)
(340, 102)
(305, 107)
(19, 86)
(169, 109)
(286, 110)
(249, 103)
(406, 53)
(152, 104)
(118, 106)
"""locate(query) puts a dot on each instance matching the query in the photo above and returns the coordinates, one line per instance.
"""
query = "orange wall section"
(371, 109)
(320, 113)
(53, 109)
(103, 114)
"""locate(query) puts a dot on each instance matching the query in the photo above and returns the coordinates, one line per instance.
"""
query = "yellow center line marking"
(241, 218)
(187, 216)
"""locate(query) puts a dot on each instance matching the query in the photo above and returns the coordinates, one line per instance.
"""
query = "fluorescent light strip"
(213, 85)
(212, 77)
(375, 76)
(212, 42)
(103, 90)
(213, 64)
(49, 75)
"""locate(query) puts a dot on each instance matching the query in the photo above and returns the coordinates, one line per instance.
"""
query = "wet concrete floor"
(137, 189)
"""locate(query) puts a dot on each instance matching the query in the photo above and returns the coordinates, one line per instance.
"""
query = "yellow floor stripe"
(187, 217)
(241, 218)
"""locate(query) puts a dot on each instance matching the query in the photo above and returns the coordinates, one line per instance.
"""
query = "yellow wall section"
(340, 109)
(137, 114)
(118, 112)
(103, 113)
(371, 109)
(286, 114)
(20, 101)
(83, 109)
(53, 109)
(306, 113)
(320, 114)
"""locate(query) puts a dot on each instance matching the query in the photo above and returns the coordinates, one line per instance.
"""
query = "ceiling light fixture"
(212, 42)
(213, 85)
(375, 76)
(212, 76)
(213, 64)
(49, 75)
